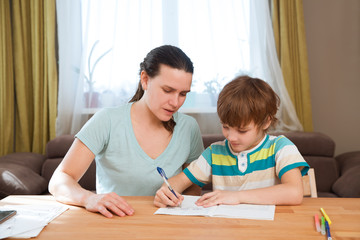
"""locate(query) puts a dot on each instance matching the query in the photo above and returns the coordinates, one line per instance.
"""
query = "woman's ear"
(144, 78)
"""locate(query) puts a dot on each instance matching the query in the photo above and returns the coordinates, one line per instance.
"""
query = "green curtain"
(6, 81)
(29, 103)
(289, 31)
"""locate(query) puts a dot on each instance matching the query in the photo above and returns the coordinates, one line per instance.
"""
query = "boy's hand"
(218, 197)
(164, 197)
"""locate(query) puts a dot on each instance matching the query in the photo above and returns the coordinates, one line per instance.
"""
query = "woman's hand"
(164, 197)
(218, 197)
(108, 204)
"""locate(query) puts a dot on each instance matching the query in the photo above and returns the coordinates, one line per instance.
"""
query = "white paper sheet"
(244, 211)
(29, 219)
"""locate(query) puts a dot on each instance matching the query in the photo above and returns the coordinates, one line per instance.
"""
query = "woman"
(129, 142)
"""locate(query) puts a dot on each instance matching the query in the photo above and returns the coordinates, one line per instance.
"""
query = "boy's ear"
(144, 78)
(267, 124)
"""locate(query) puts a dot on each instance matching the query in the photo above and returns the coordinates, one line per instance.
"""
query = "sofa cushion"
(348, 185)
(311, 143)
(327, 194)
(59, 146)
(208, 139)
(16, 179)
(49, 167)
(87, 181)
(326, 171)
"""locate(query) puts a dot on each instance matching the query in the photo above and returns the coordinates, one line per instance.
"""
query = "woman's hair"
(167, 55)
(247, 99)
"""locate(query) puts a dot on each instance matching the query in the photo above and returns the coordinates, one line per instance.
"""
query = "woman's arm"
(65, 188)
(289, 192)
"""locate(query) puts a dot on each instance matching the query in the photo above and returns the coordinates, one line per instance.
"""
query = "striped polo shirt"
(261, 166)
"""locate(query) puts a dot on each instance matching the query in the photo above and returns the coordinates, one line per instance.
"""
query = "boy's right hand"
(164, 197)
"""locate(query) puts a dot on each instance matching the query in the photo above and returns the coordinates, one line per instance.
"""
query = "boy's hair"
(247, 99)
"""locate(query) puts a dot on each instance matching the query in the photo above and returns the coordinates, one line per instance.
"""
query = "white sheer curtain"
(70, 50)
(101, 44)
(265, 65)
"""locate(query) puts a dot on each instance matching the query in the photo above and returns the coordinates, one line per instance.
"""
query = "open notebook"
(245, 211)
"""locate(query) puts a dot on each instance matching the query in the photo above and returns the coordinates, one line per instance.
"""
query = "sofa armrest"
(20, 174)
(347, 161)
(348, 184)
(33, 161)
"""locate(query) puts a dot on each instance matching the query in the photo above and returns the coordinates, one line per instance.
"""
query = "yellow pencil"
(325, 215)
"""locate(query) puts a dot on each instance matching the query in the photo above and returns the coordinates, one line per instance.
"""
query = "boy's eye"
(225, 127)
(242, 131)
(183, 94)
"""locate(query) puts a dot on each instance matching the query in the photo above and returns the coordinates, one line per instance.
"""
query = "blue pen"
(163, 175)
(328, 230)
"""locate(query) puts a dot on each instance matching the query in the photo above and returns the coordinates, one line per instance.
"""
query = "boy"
(249, 166)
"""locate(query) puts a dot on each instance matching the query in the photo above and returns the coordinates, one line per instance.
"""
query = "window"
(118, 34)
(101, 44)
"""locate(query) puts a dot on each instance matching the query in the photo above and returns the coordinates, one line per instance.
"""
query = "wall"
(333, 42)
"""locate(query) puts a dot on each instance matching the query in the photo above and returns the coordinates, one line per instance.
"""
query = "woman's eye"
(166, 90)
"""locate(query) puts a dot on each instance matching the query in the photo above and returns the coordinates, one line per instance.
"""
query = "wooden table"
(291, 222)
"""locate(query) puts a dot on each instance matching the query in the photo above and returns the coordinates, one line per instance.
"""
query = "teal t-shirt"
(121, 164)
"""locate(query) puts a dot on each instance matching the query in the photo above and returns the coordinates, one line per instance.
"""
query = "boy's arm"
(194, 189)
(164, 197)
(289, 192)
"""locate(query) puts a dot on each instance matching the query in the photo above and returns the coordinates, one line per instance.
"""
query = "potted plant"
(92, 97)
